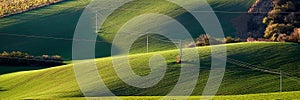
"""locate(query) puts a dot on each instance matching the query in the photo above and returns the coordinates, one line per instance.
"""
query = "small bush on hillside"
(204, 40)
(17, 58)
(18, 54)
(230, 39)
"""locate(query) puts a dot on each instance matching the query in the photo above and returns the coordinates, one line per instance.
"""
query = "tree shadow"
(11, 69)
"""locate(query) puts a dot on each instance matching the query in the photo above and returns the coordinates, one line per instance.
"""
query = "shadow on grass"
(1, 89)
(11, 69)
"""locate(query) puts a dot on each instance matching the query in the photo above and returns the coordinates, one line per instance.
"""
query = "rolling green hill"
(49, 30)
(30, 29)
(60, 82)
(261, 96)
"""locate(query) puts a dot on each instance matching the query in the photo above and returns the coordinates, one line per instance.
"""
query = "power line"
(69, 39)
(247, 65)
(116, 25)
(168, 41)
(230, 60)
(200, 11)
(161, 40)
(48, 37)
(180, 51)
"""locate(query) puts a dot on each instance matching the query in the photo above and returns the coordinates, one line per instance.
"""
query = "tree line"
(9, 7)
(283, 21)
(17, 58)
(206, 40)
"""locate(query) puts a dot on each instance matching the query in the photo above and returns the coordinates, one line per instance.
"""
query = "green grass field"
(60, 82)
(263, 96)
(49, 30)
(41, 31)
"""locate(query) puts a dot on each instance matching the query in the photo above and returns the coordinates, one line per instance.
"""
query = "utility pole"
(96, 23)
(280, 82)
(180, 51)
(147, 43)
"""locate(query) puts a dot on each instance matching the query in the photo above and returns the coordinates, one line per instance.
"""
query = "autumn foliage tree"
(282, 20)
(230, 39)
(8, 7)
(17, 58)
(276, 29)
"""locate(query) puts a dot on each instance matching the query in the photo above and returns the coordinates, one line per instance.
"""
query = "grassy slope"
(60, 81)
(52, 21)
(262, 96)
(131, 10)
(60, 21)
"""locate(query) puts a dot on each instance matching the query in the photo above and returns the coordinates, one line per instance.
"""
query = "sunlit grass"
(60, 82)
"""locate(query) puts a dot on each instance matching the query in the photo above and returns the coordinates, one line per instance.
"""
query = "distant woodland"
(283, 22)
(17, 58)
